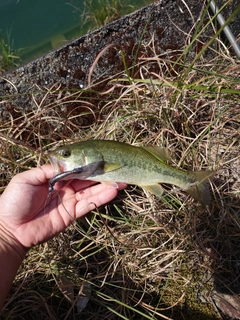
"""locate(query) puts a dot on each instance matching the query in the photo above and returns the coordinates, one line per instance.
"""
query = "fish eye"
(66, 153)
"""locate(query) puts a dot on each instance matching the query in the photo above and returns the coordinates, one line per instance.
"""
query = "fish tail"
(200, 190)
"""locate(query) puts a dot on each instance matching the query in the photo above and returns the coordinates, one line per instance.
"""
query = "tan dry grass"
(143, 257)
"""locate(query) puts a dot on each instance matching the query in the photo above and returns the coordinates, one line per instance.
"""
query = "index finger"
(93, 197)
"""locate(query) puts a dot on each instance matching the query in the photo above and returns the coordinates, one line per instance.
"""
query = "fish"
(111, 162)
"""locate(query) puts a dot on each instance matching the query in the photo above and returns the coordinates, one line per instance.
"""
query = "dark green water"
(33, 27)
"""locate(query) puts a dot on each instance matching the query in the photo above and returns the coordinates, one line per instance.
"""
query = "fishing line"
(61, 202)
(48, 199)
(51, 193)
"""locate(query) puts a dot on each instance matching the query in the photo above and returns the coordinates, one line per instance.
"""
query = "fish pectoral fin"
(158, 152)
(111, 166)
(155, 189)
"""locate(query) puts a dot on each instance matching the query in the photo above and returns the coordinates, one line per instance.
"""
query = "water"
(33, 27)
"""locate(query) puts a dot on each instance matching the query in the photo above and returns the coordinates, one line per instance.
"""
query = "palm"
(33, 216)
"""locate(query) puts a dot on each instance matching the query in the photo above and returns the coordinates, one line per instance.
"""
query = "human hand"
(30, 217)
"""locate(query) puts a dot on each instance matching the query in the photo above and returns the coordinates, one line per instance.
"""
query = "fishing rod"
(231, 38)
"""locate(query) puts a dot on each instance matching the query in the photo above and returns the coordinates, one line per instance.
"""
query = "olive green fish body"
(121, 162)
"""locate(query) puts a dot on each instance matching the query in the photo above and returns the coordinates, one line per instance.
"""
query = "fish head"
(60, 159)
(72, 156)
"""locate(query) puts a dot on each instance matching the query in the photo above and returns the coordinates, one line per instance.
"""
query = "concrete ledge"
(167, 24)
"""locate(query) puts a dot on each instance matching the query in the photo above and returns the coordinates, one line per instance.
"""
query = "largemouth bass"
(111, 162)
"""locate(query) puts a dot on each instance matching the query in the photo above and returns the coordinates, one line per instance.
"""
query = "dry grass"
(138, 257)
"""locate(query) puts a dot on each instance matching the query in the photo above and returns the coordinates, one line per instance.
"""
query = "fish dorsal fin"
(155, 189)
(158, 152)
(108, 167)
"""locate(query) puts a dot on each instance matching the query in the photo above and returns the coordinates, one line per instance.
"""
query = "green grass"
(100, 12)
(138, 257)
(8, 56)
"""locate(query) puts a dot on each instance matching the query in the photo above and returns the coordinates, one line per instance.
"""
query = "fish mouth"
(58, 165)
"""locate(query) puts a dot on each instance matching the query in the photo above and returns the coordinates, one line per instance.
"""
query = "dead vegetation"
(138, 257)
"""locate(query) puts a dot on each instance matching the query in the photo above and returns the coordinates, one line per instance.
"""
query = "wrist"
(10, 244)
(12, 254)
